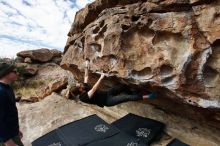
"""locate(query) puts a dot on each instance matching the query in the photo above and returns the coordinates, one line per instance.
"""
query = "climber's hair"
(79, 88)
(76, 90)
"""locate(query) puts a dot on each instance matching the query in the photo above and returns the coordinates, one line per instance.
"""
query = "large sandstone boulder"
(56, 53)
(28, 69)
(168, 46)
(40, 80)
(56, 85)
(41, 55)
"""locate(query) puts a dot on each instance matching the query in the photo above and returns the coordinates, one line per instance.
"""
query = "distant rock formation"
(40, 75)
(168, 46)
(40, 55)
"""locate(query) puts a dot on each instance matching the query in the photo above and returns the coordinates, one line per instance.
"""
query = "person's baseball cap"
(5, 69)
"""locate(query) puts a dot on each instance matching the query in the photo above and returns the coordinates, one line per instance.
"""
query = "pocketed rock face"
(168, 46)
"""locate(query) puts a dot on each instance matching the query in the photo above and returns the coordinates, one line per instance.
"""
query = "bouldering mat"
(49, 139)
(120, 139)
(80, 132)
(86, 130)
(144, 129)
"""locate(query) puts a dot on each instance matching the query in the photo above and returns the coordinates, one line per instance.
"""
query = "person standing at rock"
(10, 134)
(113, 96)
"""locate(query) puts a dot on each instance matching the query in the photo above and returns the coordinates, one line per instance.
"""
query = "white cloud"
(31, 24)
(10, 53)
(83, 3)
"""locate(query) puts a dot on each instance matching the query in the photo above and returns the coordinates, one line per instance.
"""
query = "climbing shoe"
(152, 95)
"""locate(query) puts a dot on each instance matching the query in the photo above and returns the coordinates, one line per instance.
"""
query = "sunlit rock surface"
(171, 47)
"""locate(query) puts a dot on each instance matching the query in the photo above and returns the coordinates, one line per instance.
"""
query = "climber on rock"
(111, 97)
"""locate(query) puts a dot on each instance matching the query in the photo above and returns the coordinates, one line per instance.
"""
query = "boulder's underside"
(169, 46)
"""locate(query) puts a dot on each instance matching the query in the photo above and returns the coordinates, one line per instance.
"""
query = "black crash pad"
(79, 132)
(120, 139)
(177, 142)
(144, 129)
(51, 138)
(86, 130)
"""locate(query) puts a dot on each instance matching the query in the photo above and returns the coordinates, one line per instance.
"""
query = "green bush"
(22, 70)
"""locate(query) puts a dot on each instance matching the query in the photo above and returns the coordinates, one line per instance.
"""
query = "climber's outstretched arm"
(86, 75)
(95, 87)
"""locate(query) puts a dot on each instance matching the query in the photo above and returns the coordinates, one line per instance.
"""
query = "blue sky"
(34, 24)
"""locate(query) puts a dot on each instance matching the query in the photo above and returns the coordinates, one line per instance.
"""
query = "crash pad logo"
(56, 144)
(101, 128)
(143, 132)
(132, 144)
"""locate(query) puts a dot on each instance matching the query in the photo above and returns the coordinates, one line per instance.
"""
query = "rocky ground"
(36, 119)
